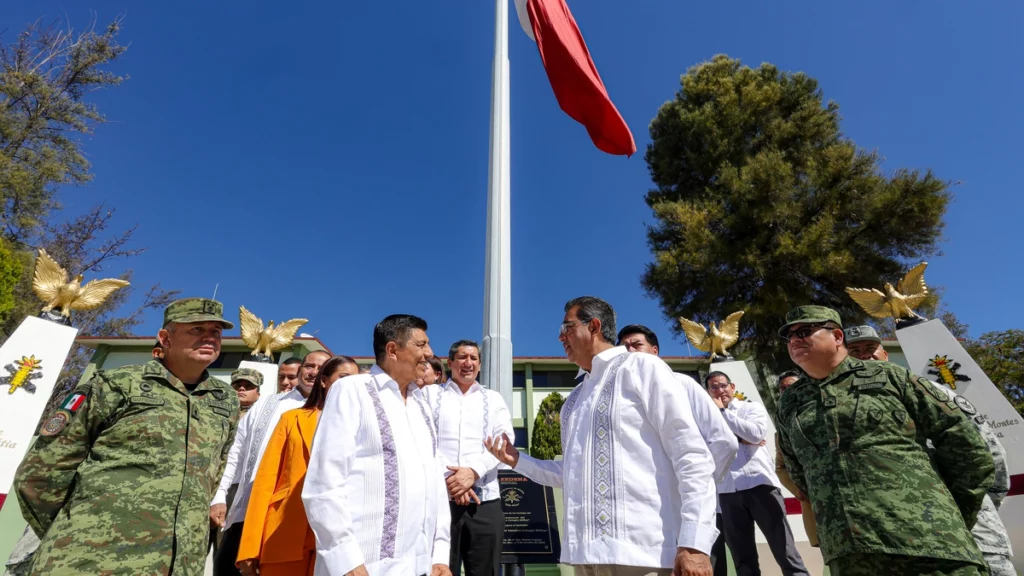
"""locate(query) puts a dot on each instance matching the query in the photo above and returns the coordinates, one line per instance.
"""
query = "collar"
(293, 394)
(454, 387)
(156, 369)
(383, 380)
(602, 360)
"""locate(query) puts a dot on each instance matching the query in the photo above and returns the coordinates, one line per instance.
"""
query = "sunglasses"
(803, 332)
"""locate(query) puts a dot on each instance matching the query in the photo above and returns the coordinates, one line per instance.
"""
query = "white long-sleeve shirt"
(754, 465)
(463, 422)
(716, 433)
(251, 440)
(636, 475)
(374, 492)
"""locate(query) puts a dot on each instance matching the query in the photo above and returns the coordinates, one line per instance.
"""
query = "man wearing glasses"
(853, 434)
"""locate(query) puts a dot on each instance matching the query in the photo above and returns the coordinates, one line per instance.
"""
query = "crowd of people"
(394, 470)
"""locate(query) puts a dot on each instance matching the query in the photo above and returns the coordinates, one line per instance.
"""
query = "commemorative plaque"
(531, 528)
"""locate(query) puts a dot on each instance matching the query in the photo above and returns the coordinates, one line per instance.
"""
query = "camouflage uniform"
(20, 559)
(989, 531)
(854, 443)
(121, 477)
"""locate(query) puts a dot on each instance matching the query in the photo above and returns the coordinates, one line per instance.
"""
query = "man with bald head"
(254, 432)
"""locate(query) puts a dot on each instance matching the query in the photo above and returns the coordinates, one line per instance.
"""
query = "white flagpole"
(496, 371)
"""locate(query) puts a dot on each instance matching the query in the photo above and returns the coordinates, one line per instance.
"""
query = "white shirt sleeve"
(546, 472)
(442, 531)
(668, 410)
(720, 439)
(234, 455)
(751, 425)
(323, 495)
(502, 424)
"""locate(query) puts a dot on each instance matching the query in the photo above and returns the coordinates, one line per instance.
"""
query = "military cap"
(860, 334)
(196, 310)
(809, 315)
(249, 375)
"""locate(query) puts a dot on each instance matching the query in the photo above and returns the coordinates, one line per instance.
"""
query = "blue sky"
(329, 160)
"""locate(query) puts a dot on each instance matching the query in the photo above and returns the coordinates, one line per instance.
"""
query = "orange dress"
(276, 531)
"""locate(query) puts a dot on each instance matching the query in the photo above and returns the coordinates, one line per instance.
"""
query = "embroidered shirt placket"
(602, 493)
(391, 489)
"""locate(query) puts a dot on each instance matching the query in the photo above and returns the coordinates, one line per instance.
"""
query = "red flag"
(573, 76)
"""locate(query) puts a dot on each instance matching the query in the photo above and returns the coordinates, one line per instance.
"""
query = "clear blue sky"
(329, 159)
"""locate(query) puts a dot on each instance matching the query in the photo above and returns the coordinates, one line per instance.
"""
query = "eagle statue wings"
(50, 283)
(270, 339)
(714, 339)
(898, 302)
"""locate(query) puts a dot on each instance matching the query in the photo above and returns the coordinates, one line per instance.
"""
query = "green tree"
(10, 276)
(45, 75)
(763, 204)
(1001, 356)
(547, 428)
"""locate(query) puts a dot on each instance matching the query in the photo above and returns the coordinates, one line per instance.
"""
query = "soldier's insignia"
(220, 394)
(965, 405)
(946, 370)
(146, 387)
(740, 396)
(72, 403)
(55, 424)
(21, 373)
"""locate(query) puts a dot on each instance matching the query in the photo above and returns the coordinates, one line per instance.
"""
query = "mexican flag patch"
(73, 403)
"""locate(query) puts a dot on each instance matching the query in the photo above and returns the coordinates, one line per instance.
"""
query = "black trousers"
(477, 535)
(764, 506)
(227, 552)
(719, 563)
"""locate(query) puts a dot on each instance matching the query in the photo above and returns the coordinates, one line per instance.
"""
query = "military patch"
(146, 386)
(222, 411)
(869, 386)
(146, 401)
(72, 403)
(932, 389)
(963, 404)
(946, 370)
(219, 394)
(55, 424)
(900, 415)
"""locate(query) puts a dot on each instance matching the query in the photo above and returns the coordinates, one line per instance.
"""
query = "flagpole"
(496, 371)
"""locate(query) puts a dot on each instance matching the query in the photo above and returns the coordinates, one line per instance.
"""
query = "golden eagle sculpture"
(714, 339)
(266, 341)
(898, 302)
(52, 286)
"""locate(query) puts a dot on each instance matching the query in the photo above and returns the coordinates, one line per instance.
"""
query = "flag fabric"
(577, 85)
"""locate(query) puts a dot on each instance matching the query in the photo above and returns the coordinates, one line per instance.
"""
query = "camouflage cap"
(249, 375)
(809, 315)
(196, 310)
(860, 334)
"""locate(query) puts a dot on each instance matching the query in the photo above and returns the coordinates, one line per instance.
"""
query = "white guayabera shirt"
(635, 467)
(463, 422)
(374, 492)
(251, 440)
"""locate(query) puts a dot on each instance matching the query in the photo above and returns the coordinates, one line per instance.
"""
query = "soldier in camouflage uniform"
(120, 479)
(853, 434)
(864, 343)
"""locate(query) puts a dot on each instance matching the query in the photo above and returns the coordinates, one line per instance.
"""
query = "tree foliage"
(763, 204)
(1001, 356)
(547, 428)
(46, 75)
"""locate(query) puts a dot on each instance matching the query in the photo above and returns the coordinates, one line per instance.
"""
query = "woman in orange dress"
(276, 537)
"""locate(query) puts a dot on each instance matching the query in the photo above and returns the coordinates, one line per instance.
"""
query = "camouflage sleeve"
(961, 456)
(227, 445)
(793, 467)
(46, 476)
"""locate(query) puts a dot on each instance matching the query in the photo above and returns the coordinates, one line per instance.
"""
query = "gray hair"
(590, 307)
